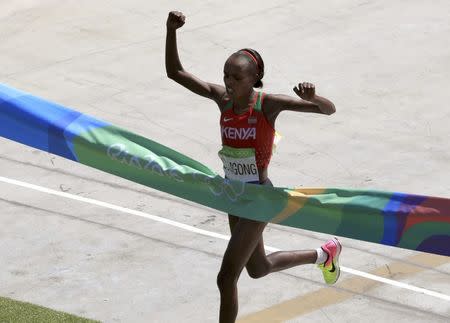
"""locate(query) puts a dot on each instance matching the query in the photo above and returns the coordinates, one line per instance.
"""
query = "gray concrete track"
(385, 64)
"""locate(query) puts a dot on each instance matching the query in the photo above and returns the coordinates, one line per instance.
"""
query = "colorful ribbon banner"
(395, 219)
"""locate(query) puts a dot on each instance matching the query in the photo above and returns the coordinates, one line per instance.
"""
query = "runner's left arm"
(308, 101)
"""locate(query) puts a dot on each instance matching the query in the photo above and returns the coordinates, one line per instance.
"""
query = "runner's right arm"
(175, 70)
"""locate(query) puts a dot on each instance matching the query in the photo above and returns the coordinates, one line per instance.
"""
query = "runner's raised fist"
(175, 20)
(305, 90)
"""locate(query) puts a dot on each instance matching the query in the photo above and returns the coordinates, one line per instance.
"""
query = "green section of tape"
(349, 213)
(356, 214)
(314, 216)
(140, 160)
(364, 212)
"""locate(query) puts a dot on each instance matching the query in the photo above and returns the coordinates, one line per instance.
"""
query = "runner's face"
(239, 76)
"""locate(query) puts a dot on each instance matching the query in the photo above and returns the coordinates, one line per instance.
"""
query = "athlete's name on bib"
(241, 168)
(239, 133)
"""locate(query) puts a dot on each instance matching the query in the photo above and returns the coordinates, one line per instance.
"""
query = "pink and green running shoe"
(330, 268)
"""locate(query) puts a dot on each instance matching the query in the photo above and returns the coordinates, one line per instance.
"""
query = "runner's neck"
(248, 102)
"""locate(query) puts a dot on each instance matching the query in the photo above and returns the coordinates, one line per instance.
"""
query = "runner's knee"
(227, 279)
(258, 271)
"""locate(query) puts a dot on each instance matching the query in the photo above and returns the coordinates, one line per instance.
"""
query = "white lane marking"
(210, 234)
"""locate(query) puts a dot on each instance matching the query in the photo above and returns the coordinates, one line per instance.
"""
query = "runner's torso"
(247, 141)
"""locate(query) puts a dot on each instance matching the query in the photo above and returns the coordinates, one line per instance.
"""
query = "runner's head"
(243, 70)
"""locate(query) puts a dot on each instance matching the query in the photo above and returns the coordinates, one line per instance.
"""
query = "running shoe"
(330, 268)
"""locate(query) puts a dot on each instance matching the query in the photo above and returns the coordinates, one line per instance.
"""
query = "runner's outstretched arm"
(175, 70)
(308, 101)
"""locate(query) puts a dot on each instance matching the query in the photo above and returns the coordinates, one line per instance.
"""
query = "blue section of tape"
(391, 224)
(18, 125)
(56, 141)
(41, 124)
(395, 215)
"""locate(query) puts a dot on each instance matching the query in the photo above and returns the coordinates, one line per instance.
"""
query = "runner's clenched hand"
(306, 91)
(175, 20)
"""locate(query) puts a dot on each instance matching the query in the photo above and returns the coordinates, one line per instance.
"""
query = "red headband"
(249, 54)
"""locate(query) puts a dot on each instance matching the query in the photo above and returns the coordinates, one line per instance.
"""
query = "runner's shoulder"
(224, 101)
(216, 91)
(270, 102)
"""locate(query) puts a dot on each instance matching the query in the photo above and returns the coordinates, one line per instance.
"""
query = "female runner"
(247, 126)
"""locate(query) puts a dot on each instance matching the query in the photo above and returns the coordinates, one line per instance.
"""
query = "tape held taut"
(409, 221)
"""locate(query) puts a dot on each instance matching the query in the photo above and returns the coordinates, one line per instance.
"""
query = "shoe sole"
(336, 257)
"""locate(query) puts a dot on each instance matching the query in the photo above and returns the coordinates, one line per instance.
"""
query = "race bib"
(239, 163)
